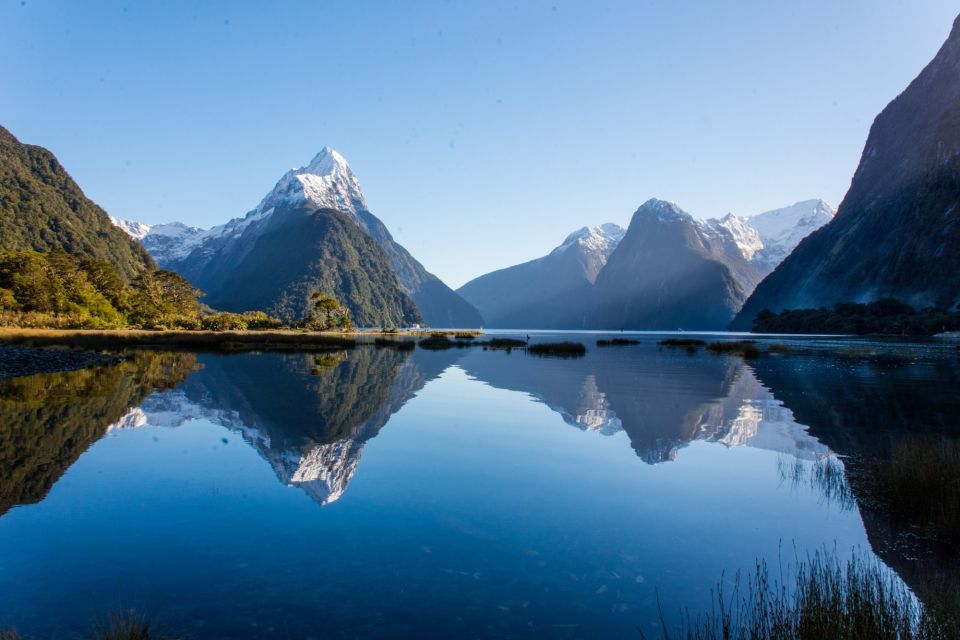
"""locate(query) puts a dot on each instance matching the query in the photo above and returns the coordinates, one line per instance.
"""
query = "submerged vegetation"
(917, 483)
(823, 598)
(883, 317)
(119, 625)
(743, 348)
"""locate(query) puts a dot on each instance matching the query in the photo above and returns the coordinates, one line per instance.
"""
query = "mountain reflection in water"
(311, 423)
(492, 496)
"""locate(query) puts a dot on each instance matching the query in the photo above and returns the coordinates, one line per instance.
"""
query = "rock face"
(211, 258)
(558, 290)
(538, 293)
(895, 234)
(43, 209)
(672, 271)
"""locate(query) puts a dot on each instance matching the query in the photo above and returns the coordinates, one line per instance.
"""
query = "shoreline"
(17, 361)
(268, 340)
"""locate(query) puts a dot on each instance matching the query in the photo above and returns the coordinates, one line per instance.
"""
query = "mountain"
(781, 230)
(43, 209)
(671, 270)
(327, 184)
(895, 234)
(538, 293)
(557, 291)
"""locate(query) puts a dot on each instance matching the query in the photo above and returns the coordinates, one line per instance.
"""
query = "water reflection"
(47, 421)
(309, 420)
(662, 399)
(494, 506)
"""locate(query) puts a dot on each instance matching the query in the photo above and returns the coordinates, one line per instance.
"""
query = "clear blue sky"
(481, 132)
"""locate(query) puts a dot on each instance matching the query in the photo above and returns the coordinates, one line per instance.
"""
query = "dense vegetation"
(883, 317)
(43, 209)
(59, 290)
(303, 253)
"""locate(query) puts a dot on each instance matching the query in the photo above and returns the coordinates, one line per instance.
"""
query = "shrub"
(558, 349)
(617, 342)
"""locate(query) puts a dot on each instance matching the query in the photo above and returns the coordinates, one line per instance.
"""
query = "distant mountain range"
(295, 241)
(43, 209)
(667, 270)
(896, 233)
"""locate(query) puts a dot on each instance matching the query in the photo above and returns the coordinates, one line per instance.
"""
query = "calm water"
(470, 493)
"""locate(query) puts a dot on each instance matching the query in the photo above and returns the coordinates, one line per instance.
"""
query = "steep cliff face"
(895, 233)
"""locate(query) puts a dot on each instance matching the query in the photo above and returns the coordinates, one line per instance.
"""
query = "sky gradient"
(482, 133)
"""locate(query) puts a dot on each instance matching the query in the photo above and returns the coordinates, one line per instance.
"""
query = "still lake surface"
(378, 492)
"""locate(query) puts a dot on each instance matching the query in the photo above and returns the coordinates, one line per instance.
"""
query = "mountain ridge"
(895, 234)
(43, 209)
(326, 183)
(557, 292)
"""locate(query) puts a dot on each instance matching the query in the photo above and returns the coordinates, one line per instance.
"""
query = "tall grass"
(918, 484)
(119, 625)
(823, 599)
(826, 475)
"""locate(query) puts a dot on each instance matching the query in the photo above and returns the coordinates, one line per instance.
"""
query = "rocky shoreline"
(25, 361)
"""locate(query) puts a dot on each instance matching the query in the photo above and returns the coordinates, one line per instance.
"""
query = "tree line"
(60, 290)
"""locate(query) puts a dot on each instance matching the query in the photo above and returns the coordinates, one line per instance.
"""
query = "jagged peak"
(663, 210)
(602, 238)
(327, 162)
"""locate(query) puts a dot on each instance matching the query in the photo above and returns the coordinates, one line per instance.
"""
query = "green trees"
(59, 290)
(42, 209)
(887, 316)
(164, 299)
(327, 314)
(86, 293)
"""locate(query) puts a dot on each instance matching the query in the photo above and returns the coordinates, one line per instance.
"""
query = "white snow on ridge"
(325, 182)
(134, 229)
(781, 230)
(739, 231)
(600, 240)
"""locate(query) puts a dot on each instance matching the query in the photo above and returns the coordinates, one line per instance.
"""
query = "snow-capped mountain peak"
(326, 182)
(134, 229)
(601, 240)
(739, 231)
(665, 210)
(781, 230)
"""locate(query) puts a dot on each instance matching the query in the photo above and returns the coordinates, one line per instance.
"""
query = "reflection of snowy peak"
(323, 471)
(592, 412)
(751, 416)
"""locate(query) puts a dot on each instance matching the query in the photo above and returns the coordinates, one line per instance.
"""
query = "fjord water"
(379, 492)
